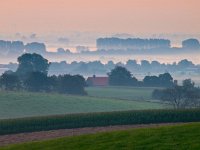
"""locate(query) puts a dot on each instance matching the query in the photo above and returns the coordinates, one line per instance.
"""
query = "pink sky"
(106, 16)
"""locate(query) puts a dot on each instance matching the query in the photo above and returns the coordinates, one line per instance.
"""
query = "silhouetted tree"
(70, 84)
(36, 82)
(10, 81)
(188, 84)
(166, 79)
(120, 76)
(163, 80)
(29, 63)
(186, 96)
(151, 81)
(52, 83)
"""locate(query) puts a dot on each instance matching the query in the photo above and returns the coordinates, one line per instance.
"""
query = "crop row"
(12, 126)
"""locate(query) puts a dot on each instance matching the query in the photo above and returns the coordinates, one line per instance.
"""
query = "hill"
(24, 104)
(168, 137)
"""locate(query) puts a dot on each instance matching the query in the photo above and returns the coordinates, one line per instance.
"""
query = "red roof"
(97, 81)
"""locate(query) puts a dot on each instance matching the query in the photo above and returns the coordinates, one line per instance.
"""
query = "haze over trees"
(97, 67)
(32, 75)
(163, 80)
(29, 63)
(10, 82)
(105, 46)
(191, 44)
(35, 47)
(131, 43)
(18, 47)
(120, 76)
(185, 96)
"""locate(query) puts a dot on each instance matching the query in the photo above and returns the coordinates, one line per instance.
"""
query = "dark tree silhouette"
(36, 82)
(163, 80)
(186, 96)
(166, 79)
(70, 84)
(120, 76)
(32, 63)
(10, 81)
(151, 81)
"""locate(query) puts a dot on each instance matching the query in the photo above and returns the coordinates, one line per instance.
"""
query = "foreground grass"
(176, 137)
(24, 104)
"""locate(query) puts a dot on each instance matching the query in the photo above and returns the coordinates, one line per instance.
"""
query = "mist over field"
(71, 69)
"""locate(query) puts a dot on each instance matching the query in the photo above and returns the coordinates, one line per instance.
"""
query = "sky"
(100, 16)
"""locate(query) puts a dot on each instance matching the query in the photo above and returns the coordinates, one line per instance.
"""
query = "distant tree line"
(89, 68)
(120, 76)
(32, 75)
(114, 43)
(131, 43)
(144, 67)
(184, 96)
(18, 47)
(191, 44)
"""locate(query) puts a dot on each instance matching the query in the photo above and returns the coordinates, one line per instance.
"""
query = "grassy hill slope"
(24, 104)
(179, 137)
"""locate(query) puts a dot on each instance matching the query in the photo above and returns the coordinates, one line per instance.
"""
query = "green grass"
(23, 104)
(178, 137)
(125, 93)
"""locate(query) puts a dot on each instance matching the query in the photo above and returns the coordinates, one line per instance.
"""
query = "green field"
(124, 93)
(178, 137)
(23, 104)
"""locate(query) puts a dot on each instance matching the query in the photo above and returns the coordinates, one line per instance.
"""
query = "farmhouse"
(97, 81)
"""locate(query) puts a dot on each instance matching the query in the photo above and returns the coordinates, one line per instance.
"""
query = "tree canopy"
(120, 76)
(10, 81)
(32, 75)
(36, 82)
(185, 96)
(29, 63)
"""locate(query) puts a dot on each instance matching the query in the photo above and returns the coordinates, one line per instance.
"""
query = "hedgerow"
(11, 126)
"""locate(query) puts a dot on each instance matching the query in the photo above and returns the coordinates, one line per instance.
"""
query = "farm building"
(97, 81)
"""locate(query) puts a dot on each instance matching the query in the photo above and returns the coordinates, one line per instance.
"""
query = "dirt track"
(45, 135)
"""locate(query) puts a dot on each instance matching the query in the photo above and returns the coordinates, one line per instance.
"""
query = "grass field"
(125, 93)
(178, 137)
(22, 104)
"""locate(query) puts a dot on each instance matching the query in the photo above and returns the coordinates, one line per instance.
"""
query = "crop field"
(24, 104)
(103, 119)
(124, 93)
(179, 137)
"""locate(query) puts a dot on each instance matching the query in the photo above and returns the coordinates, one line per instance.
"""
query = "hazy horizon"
(67, 24)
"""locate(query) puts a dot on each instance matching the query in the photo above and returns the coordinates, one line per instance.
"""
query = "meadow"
(179, 137)
(123, 93)
(25, 104)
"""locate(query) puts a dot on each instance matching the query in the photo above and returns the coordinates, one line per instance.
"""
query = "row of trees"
(185, 96)
(120, 76)
(18, 47)
(143, 67)
(32, 75)
(134, 43)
